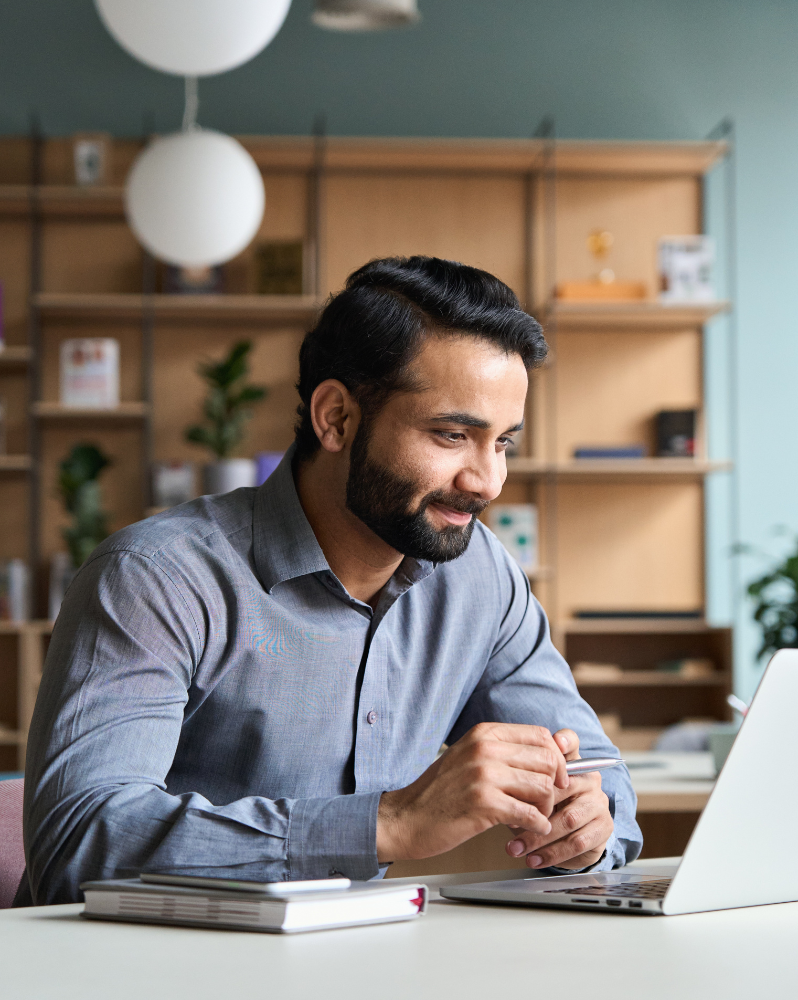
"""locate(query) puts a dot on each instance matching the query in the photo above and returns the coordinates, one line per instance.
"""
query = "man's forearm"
(119, 833)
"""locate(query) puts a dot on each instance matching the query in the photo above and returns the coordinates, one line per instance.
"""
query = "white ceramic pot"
(228, 474)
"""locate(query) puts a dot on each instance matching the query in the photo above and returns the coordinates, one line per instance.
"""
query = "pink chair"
(12, 854)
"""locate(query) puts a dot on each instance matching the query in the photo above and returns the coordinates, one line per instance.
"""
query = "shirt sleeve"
(526, 680)
(116, 683)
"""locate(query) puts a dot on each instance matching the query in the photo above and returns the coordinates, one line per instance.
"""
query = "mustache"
(455, 501)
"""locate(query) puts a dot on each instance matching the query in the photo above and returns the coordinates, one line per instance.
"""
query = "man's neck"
(361, 561)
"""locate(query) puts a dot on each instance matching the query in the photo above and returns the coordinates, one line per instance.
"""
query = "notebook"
(256, 909)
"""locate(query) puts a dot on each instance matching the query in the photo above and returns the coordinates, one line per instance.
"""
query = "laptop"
(741, 852)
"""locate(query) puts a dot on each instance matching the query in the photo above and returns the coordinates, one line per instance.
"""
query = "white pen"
(592, 764)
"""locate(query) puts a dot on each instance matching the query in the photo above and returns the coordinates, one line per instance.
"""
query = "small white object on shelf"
(61, 574)
(14, 591)
(686, 269)
(228, 474)
(173, 483)
(516, 527)
(90, 373)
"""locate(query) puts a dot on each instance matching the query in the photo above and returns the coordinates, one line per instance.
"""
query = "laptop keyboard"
(653, 889)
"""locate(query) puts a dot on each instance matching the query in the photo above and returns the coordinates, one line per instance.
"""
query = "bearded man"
(257, 685)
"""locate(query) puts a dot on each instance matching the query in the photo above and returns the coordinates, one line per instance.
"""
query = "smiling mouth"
(458, 518)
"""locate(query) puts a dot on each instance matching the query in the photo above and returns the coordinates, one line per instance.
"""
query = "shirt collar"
(285, 546)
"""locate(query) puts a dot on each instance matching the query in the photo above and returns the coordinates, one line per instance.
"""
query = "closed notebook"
(363, 903)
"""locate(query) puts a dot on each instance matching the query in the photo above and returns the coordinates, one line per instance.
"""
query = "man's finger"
(588, 840)
(533, 736)
(568, 742)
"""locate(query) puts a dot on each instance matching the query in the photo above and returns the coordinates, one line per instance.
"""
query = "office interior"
(557, 146)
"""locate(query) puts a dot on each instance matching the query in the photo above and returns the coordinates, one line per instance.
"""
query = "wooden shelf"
(62, 199)
(643, 468)
(570, 156)
(655, 678)
(14, 357)
(637, 315)
(11, 737)
(57, 411)
(633, 626)
(15, 463)
(180, 308)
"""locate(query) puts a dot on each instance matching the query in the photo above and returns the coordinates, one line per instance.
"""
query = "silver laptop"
(741, 852)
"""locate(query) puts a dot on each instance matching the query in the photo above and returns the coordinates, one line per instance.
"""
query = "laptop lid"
(742, 851)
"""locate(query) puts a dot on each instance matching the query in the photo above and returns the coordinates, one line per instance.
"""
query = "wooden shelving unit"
(95, 307)
(15, 463)
(653, 678)
(14, 357)
(47, 410)
(621, 534)
(643, 315)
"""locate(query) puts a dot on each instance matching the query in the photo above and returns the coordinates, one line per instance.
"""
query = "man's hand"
(497, 773)
(580, 824)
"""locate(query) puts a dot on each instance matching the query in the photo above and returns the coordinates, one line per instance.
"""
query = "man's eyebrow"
(469, 420)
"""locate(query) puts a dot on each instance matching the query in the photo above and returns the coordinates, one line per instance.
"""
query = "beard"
(382, 499)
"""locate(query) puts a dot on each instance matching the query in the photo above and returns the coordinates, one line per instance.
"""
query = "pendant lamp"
(365, 15)
(193, 37)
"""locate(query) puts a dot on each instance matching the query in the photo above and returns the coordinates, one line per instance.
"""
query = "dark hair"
(368, 334)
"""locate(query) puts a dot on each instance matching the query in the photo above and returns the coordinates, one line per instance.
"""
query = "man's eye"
(451, 435)
(504, 442)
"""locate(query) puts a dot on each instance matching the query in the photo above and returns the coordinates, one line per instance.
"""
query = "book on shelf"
(611, 451)
(90, 372)
(685, 269)
(516, 527)
(658, 614)
(253, 909)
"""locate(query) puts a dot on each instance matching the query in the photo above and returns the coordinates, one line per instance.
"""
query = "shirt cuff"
(335, 836)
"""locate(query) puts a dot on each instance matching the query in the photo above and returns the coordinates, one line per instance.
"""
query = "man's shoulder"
(202, 523)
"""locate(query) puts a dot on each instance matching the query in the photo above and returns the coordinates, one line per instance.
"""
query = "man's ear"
(335, 415)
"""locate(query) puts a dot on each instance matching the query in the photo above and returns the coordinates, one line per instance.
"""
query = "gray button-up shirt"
(215, 702)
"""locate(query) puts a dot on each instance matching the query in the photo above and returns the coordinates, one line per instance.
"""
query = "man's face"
(430, 461)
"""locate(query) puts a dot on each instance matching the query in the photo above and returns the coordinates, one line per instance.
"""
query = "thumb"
(568, 742)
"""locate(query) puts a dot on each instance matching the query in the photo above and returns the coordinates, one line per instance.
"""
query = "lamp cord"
(192, 105)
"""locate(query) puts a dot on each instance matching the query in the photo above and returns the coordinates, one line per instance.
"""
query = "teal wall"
(624, 69)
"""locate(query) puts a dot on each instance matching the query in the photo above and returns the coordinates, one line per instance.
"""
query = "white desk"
(458, 951)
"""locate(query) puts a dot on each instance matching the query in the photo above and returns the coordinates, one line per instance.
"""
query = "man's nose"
(483, 476)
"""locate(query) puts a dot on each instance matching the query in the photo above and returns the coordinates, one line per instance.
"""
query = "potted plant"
(775, 597)
(226, 411)
(79, 488)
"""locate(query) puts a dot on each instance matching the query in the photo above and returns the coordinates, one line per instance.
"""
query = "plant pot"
(228, 474)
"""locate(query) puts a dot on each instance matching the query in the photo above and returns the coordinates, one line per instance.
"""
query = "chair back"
(12, 853)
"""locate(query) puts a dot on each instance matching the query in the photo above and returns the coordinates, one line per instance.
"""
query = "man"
(257, 684)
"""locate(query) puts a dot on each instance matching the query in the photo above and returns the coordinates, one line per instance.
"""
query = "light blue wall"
(623, 69)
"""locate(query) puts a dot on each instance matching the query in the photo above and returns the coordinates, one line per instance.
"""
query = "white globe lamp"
(193, 37)
(195, 198)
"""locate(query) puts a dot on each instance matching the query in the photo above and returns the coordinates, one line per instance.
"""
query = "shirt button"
(371, 718)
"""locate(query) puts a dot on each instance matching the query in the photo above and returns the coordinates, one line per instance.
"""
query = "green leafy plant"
(775, 597)
(227, 406)
(80, 490)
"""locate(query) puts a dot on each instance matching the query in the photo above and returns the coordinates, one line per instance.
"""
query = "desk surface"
(457, 950)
